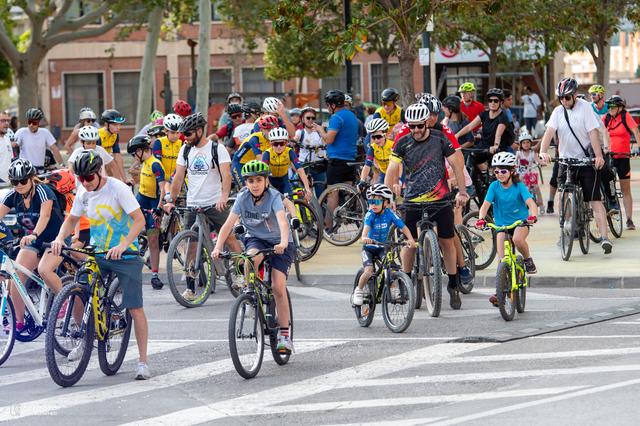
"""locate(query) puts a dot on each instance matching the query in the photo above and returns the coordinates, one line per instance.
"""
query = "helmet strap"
(257, 199)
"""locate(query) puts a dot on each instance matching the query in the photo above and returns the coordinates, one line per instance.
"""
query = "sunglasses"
(309, 118)
(593, 95)
(34, 122)
(565, 97)
(21, 182)
(87, 178)
(375, 202)
(494, 101)
(416, 126)
(187, 134)
(377, 136)
(278, 143)
(501, 171)
(89, 120)
(236, 116)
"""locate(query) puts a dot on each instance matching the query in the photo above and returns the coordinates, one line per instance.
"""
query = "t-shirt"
(619, 137)
(106, 157)
(380, 224)
(472, 110)
(151, 175)
(509, 204)
(28, 217)
(281, 163)
(424, 165)
(242, 132)
(167, 152)
(6, 154)
(531, 103)
(600, 111)
(255, 144)
(108, 211)
(404, 130)
(456, 126)
(490, 127)
(205, 186)
(582, 120)
(33, 146)
(344, 146)
(260, 219)
(109, 141)
(308, 139)
(379, 155)
(394, 118)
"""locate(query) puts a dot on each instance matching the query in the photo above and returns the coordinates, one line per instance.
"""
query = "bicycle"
(511, 276)
(254, 315)
(99, 300)
(397, 312)
(615, 219)
(308, 235)
(170, 226)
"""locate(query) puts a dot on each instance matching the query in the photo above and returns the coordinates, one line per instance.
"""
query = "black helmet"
(567, 86)
(616, 100)
(21, 169)
(251, 107)
(452, 102)
(335, 97)
(35, 114)
(234, 95)
(390, 95)
(496, 92)
(234, 109)
(112, 116)
(138, 142)
(192, 122)
(87, 163)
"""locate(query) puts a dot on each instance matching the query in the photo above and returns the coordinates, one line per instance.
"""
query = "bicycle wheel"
(615, 219)
(8, 330)
(296, 255)
(521, 276)
(280, 358)
(506, 298)
(431, 273)
(246, 336)
(418, 289)
(67, 279)
(583, 233)
(398, 312)
(181, 267)
(484, 241)
(469, 256)
(342, 224)
(309, 234)
(112, 350)
(568, 224)
(365, 313)
(75, 337)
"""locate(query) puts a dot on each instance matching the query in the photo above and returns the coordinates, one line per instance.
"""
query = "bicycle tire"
(418, 288)
(8, 317)
(174, 276)
(432, 273)
(246, 306)
(583, 233)
(119, 320)
(75, 293)
(66, 280)
(280, 358)
(568, 212)
(405, 302)
(469, 256)
(310, 230)
(615, 220)
(484, 241)
(365, 312)
(506, 297)
(521, 300)
(350, 214)
(296, 255)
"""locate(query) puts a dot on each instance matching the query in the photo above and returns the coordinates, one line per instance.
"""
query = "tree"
(382, 40)
(145, 84)
(204, 51)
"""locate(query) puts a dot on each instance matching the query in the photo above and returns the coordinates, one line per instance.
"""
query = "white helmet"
(416, 113)
(172, 122)
(88, 133)
(348, 99)
(380, 190)
(524, 136)
(278, 134)
(87, 114)
(11, 136)
(503, 159)
(270, 104)
(377, 124)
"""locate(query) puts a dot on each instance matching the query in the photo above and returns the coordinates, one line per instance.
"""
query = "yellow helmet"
(596, 88)
(467, 86)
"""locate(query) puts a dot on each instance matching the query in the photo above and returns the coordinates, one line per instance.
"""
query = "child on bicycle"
(511, 202)
(379, 151)
(377, 223)
(526, 160)
(262, 213)
(280, 158)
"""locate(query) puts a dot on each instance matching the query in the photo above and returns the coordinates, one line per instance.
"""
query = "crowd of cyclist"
(429, 154)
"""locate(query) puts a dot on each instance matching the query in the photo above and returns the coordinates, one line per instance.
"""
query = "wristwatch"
(35, 234)
(168, 198)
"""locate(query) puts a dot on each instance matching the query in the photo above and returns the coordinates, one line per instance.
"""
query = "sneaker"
(494, 300)
(530, 267)
(550, 207)
(395, 292)
(358, 296)
(188, 295)
(19, 326)
(156, 283)
(465, 275)
(76, 353)
(284, 345)
(454, 298)
(630, 225)
(142, 372)
(606, 246)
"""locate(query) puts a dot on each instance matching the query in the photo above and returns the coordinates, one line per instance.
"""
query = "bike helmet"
(498, 93)
(503, 159)
(390, 95)
(64, 180)
(295, 111)
(35, 114)
(87, 163)
(21, 169)
(616, 100)
(377, 124)
(255, 168)
(87, 114)
(88, 133)
(251, 107)
(433, 104)
(182, 108)
(278, 134)
(334, 97)
(467, 86)
(156, 130)
(11, 135)
(524, 136)
(234, 95)
(138, 142)
(416, 113)
(597, 88)
(566, 86)
(271, 104)
(380, 190)
(234, 109)
(268, 122)
(192, 122)
(348, 99)
(581, 96)
(112, 116)
(453, 103)
(172, 122)
(155, 115)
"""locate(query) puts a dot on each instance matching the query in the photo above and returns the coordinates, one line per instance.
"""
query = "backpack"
(214, 154)
(62, 199)
(608, 118)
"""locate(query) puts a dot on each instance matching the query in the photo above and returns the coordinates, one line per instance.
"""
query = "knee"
(519, 240)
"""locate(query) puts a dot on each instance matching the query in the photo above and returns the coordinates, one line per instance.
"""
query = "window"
(82, 90)
(454, 83)
(80, 8)
(254, 82)
(125, 94)
(377, 86)
(339, 81)
(220, 85)
(215, 15)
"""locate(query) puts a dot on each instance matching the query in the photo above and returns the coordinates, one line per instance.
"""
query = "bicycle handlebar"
(231, 255)
(90, 250)
(506, 227)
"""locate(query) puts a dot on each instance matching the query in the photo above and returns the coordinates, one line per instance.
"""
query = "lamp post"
(347, 62)
(426, 57)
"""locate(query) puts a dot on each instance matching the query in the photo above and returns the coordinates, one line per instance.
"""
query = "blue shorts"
(147, 204)
(369, 254)
(282, 184)
(281, 262)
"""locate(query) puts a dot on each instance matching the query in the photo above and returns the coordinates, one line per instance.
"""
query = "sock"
(284, 331)
(154, 274)
(453, 280)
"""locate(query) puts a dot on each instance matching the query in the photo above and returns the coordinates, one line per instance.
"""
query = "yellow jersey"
(280, 163)
(167, 152)
(393, 118)
(245, 151)
(109, 141)
(379, 155)
(151, 174)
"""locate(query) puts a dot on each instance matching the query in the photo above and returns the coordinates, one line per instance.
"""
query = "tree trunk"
(204, 52)
(493, 67)
(27, 81)
(406, 59)
(145, 85)
(385, 69)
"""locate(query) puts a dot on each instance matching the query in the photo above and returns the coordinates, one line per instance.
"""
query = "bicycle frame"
(510, 255)
(256, 286)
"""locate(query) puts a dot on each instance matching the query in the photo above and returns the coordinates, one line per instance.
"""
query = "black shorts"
(554, 175)
(370, 254)
(339, 171)
(215, 218)
(623, 167)
(587, 177)
(442, 216)
(84, 237)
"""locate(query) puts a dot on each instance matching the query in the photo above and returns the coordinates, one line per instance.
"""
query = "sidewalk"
(620, 269)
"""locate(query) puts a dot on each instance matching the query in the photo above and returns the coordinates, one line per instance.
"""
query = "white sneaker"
(358, 296)
(189, 295)
(76, 353)
(142, 372)
(395, 292)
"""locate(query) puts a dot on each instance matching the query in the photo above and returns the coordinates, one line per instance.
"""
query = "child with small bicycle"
(511, 202)
(377, 223)
(526, 160)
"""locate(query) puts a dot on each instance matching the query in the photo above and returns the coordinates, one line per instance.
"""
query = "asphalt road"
(344, 374)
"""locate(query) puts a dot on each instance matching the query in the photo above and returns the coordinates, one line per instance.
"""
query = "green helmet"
(255, 168)
(155, 115)
(596, 88)
(467, 86)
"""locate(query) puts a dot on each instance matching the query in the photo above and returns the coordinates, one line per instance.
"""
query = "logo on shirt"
(200, 166)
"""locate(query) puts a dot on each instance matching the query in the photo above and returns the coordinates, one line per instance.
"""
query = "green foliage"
(6, 76)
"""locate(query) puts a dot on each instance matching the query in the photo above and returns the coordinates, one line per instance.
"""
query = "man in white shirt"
(577, 129)
(33, 140)
(6, 152)
(312, 148)
(531, 102)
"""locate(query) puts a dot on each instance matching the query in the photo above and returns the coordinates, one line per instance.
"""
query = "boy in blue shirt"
(377, 223)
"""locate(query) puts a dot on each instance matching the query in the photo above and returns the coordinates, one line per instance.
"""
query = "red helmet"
(268, 122)
(64, 180)
(182, 108)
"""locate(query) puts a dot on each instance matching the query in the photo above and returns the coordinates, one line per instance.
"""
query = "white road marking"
(636, 322)
(319, 293)
(611, 336)
(404, 422)
(320, 339)
(531, 295)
